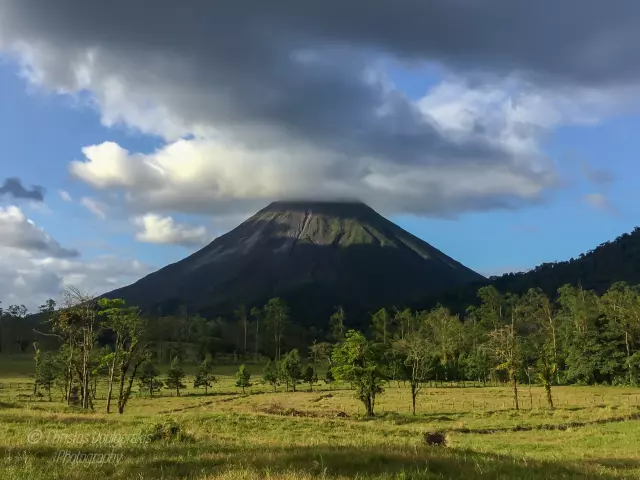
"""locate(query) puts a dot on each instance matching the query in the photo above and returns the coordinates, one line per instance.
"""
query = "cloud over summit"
(289, 99)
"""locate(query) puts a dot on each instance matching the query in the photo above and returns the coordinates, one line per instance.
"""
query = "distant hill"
(315, 255)
(598, 269)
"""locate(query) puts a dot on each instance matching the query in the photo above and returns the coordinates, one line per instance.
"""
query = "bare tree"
(76, 324)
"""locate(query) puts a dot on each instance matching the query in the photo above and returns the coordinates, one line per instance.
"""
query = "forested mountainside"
(598, 269)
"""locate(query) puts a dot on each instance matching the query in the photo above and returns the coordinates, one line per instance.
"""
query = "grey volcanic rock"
(315, 255)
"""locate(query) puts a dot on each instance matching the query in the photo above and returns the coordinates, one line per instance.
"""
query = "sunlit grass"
(322, 434)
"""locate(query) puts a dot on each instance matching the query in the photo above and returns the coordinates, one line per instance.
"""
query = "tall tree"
(539, 319)
(584, 352)
(621, 307)
(270, 374)
(337, 324)
(492, 311)
(148, 378)
(415, 350)
(357, 360)
(320, 352)
(505, 345)
(446, 335)
(256, 313)
(129, 350)
(381, 325)
(243, 378)
(46, 374)
(292, 367)
(36, 359)
(76, 325)
(243, 321)
(175, 376)
(309, 376)
(204, 376)
(541, 310)
(404, 322)
(276, 313)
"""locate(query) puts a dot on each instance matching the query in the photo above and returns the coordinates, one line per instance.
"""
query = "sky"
(133, 136)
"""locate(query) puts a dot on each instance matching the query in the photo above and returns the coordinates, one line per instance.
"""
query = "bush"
(167, 431)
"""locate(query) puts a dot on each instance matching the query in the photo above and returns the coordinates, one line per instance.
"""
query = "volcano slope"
(314, 255)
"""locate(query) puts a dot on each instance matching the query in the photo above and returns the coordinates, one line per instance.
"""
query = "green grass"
(266, 435)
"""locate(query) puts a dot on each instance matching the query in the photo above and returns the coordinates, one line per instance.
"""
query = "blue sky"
(148, 151)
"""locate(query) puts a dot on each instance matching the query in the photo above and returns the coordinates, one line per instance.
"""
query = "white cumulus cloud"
(164, 230)
(17, 232)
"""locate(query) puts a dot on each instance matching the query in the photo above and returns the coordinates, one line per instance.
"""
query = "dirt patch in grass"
(322, 397)
(278, 409)
(559, 426)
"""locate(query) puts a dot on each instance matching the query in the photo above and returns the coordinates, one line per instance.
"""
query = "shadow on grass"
(62, 417)
(173, 461)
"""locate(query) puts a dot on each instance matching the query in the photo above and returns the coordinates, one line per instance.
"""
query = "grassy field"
(593, 433)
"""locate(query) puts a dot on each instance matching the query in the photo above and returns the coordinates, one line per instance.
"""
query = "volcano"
(314, 255)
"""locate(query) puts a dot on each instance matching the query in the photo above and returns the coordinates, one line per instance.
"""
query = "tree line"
(579, 337)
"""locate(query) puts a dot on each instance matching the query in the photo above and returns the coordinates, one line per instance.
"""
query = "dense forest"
(597, 269)
(581, 338)
(532, 330)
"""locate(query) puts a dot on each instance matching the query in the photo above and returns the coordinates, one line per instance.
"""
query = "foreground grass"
(320, 435)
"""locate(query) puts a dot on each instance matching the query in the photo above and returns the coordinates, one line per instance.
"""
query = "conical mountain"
(315, 255)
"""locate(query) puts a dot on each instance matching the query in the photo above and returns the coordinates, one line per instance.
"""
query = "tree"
(46, 373)
(336, 322)
(505, 347)
(584, 353)
(393, 365)
(270, 374)
(415, 350)
(404, 321)
(329, 378)
(621, 307)
(320, 352)
(256, 314)
(357, 360)
(175, 376)
(539, 308)
(148, 379)
(48, 307)
(36, 359)
(129, 351)
(380, 325)
(445, 331)
(276, 313)
(243, 321)
(309, 376)
(541, 338)
(477, 366)
(75, 324)
(491, 312)
(292, 367)
(243, 378)
(204, 376)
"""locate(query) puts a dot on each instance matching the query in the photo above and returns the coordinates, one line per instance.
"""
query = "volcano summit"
(315, 255)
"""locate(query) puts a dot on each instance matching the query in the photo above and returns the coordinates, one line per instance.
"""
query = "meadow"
(592, 433)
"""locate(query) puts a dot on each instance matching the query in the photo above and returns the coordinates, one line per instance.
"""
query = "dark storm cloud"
(272, 73)
(247, 64)
(583, 40)
(14, 187)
